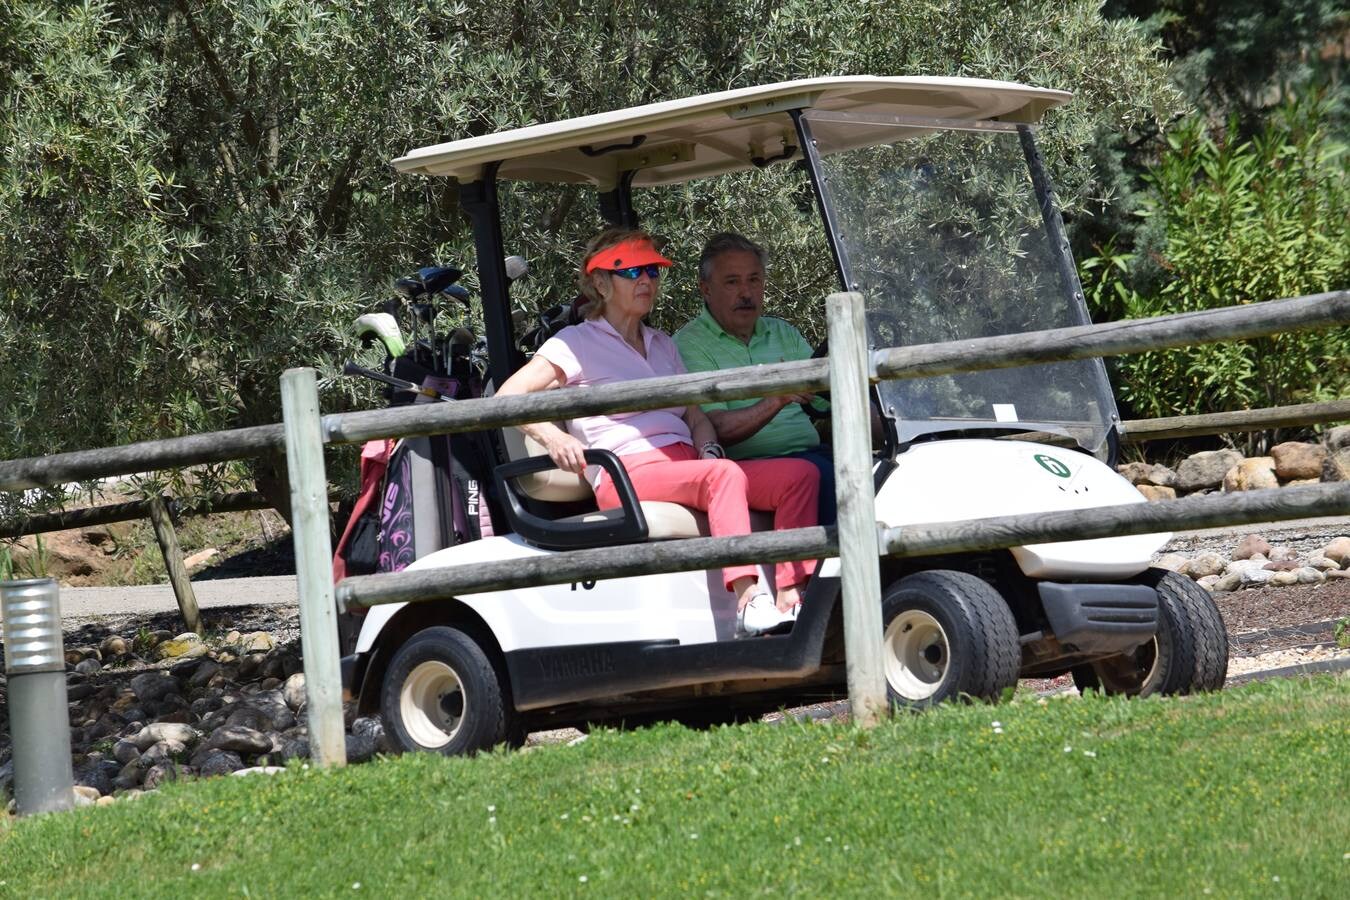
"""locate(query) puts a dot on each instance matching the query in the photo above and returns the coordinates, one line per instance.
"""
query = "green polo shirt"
(705, 347)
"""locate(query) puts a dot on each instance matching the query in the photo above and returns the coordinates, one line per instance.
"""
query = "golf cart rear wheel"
(947, 634)
(442, 693)
(1189, 652)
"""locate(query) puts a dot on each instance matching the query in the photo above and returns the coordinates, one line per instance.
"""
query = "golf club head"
(383, 327)
(458, 292)
(435, 279)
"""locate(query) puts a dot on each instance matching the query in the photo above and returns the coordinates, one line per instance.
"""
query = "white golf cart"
(936, 208)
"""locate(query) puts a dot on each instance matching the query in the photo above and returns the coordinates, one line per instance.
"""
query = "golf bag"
(418, 495)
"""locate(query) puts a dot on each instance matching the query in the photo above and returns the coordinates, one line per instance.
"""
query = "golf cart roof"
(679, 140)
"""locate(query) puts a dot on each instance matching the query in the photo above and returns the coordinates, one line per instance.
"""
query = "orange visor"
(632, 252)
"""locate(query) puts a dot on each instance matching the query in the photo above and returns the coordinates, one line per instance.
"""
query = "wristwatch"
(713, 449)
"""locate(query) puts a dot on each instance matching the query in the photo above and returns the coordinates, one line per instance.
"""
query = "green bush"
(1228, 223)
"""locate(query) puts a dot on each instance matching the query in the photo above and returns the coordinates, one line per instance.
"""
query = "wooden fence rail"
(1080, 342)
(88, 517)
(1139, 431)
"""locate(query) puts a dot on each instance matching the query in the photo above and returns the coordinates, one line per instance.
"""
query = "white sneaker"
(761, 614)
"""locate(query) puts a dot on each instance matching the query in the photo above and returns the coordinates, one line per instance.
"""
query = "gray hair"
(728, 242)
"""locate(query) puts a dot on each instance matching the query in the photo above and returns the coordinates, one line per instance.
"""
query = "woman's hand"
(567, 452)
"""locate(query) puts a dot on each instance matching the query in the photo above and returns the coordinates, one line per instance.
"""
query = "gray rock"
(1205, 470)
(294, 691)
(1337, 438)
(219, 762)
(203, 673)
(97, 774)
(263, 712)
(204, 706)
(88, 666)
(157, 775)
(1209, 581)
(77, 692)
(164, 731)
(1309, 575)
(1252, 577)
(163, 751)
(1283, 578)
(125, 751)
(1142, 473)
(368, 726)
(1336, 467)
(239, 739)
(151, 686)
(293, 748)
(130, 777)
(1230, 581)
(250, 667)
(361, 748)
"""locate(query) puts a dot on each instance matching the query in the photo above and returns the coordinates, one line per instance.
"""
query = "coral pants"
(727, 490)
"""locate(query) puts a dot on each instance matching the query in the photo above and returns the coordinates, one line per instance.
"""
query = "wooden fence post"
(173, 563)
(313, 566)
(860, 569)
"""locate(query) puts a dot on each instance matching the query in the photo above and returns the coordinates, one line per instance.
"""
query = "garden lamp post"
(38, 718)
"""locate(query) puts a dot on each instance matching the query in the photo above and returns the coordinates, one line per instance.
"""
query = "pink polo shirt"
(593, 353)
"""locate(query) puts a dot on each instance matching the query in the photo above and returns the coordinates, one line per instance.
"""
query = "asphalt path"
(87, 602)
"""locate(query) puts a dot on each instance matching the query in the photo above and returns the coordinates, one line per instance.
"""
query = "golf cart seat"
(665, 521)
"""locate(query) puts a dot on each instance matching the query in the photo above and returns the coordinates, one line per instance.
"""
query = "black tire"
(441, 693)
(1189, 653)
(947, 634)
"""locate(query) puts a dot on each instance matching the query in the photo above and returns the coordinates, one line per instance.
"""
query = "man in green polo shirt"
(732, 331)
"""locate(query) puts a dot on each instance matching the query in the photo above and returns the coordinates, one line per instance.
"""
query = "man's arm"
(736, 425)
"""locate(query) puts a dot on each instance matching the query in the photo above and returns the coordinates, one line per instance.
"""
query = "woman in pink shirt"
(621, 277)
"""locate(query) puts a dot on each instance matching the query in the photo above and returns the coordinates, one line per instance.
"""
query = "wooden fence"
(305, 431)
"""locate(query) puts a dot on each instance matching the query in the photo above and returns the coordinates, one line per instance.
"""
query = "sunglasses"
(632, 273)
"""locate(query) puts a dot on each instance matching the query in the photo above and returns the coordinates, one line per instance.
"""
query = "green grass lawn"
(1243, 793)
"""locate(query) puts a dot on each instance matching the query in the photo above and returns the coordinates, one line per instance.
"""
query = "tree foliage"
(195, 196)
(1233, 221)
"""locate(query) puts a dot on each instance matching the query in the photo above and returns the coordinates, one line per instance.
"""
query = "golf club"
(352, 368)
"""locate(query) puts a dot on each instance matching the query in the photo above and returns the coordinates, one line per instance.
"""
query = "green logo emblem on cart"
(1052, 465)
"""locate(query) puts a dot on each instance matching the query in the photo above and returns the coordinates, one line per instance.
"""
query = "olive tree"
(195, 196)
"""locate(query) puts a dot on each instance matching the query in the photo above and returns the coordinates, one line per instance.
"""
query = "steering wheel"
(885, 330)
(816, 415)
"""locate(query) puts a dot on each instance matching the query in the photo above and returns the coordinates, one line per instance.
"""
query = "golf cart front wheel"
(1188, 653)
(947, 634)
(442, 694)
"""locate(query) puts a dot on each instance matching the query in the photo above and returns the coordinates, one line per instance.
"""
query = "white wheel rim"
(432, 704)
(917, 654)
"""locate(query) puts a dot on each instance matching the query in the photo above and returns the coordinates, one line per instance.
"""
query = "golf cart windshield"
(938, 225)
